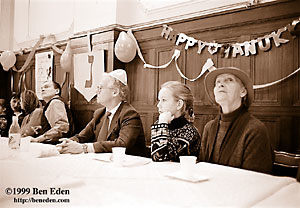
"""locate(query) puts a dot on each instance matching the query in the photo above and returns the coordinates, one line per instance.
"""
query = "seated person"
(32, 124)
(57, 119)
(174, 134)
(5, 118)
(15, 106)
(234, 138)
(117, 124)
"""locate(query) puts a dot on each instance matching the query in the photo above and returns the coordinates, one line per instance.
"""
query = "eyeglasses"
(100, 88)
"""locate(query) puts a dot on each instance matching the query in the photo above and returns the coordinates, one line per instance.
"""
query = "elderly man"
(57, 119)
(234, 138)
(117, 124)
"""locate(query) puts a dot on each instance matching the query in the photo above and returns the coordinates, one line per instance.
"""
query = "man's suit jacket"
(125, 130)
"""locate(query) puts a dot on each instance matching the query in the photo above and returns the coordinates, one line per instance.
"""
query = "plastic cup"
(187, 165)
(118, 155)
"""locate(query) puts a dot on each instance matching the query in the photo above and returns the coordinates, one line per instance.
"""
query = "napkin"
(42, 150)
(180, 175)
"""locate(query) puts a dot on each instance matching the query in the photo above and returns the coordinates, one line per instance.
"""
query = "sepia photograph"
(149, 103)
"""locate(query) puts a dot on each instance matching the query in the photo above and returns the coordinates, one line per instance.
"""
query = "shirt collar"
(113, 111)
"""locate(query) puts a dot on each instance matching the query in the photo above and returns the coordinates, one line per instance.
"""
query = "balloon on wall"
(8, 59)
(66, 58)
(125, 48)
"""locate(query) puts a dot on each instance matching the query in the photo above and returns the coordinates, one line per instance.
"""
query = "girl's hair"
(30, 101)
(182, 92)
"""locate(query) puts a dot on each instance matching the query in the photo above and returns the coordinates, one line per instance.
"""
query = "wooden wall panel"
(193, 63)
(296, 78)
(170, 73)
(143, 89)
(276, 106)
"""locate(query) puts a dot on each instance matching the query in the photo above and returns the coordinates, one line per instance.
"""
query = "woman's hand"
(165, 117)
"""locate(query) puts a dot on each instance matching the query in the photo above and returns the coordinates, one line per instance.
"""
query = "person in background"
(116, 124)
(234, 138)
(15, 106)
(5, 118)
(57, 119)
(174, 134)
(32, 123)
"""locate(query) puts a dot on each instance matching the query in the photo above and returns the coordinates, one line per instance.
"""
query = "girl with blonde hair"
(174, 134)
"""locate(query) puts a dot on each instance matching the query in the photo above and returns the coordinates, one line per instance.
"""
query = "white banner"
(87, 72)
(43, 70)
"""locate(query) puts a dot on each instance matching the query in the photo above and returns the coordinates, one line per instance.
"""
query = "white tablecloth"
(94, 181)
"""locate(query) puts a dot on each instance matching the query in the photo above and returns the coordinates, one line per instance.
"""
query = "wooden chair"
(286, 164)
(298, 174)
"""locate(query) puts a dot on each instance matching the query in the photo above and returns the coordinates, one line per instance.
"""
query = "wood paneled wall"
(277, 106)
(81, 109)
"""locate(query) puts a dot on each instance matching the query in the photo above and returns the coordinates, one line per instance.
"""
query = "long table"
(92, 180)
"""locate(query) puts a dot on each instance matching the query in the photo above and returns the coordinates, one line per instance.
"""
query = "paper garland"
(255, 87)
(213, 47)
(244, 49)
(208, 64)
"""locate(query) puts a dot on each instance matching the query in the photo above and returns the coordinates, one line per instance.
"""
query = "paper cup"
(187, 165)
(118, 155)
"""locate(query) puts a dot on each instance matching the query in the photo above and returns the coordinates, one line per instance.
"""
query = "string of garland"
(246, 48)
(250, 48)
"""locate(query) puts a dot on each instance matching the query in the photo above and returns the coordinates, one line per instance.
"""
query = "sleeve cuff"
(90, 148)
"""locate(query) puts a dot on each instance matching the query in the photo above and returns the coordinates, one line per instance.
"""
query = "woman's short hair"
(29, 100)
(182, 92)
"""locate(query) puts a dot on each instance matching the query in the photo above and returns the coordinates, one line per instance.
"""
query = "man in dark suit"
(117, 124)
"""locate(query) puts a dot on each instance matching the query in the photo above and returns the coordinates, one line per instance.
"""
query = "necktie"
(104, 129)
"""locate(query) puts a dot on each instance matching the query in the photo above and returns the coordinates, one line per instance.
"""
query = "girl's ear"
(180, 104)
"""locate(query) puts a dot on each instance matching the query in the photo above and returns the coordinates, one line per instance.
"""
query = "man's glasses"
(101, 88)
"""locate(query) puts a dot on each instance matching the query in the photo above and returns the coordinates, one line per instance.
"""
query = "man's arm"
(87, 134)
(57, 118)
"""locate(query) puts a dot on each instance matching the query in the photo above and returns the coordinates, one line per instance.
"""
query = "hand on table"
(69, 146)
(39, 139)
